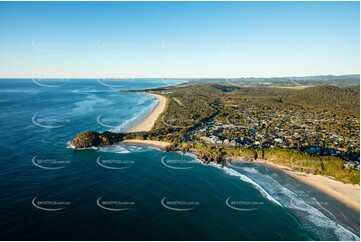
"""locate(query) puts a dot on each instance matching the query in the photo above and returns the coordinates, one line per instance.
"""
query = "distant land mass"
(340, 80)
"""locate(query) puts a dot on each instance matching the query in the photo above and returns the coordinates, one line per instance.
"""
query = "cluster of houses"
(292, 129)
(216, 140)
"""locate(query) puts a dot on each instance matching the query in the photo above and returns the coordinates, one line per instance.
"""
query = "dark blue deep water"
(128, 192)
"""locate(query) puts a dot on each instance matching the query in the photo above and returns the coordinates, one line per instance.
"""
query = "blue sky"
(178, 39)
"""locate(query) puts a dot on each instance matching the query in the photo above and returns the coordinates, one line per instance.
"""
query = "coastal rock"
(93, 139)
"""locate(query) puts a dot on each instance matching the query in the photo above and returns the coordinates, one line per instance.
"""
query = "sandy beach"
(347, 194)
(147, 123)
(155, 143)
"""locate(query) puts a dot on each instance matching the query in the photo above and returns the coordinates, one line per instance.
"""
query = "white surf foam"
(191, 155)
(306, 208)
(114, 149)
(69, 146)
(88, 104)
(250, 170)
(245, 178)
(135, 119)
(85, 91)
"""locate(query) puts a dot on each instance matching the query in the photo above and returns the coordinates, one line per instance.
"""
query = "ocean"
(130, 192)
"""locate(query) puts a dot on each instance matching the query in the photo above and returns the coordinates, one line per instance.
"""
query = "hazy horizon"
(245, 77)
(178, 39)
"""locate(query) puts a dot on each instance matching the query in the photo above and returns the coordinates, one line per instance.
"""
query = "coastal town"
(218, 122)
(315, 133)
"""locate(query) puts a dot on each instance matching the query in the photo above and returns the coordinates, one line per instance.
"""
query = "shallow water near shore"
(133, 192)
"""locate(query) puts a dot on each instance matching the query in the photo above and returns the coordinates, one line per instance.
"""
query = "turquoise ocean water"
(50, 191)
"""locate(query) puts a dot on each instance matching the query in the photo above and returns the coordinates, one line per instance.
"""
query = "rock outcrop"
(89, 138)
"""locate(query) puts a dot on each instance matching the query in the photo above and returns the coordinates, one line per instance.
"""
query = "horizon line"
(293, 76)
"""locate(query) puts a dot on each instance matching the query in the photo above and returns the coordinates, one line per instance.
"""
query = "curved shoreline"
(347, 194)
(147, 123)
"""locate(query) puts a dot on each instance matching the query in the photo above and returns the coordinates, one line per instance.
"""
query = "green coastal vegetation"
(313, 129)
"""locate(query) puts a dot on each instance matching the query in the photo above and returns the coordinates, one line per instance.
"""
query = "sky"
(178, 39)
